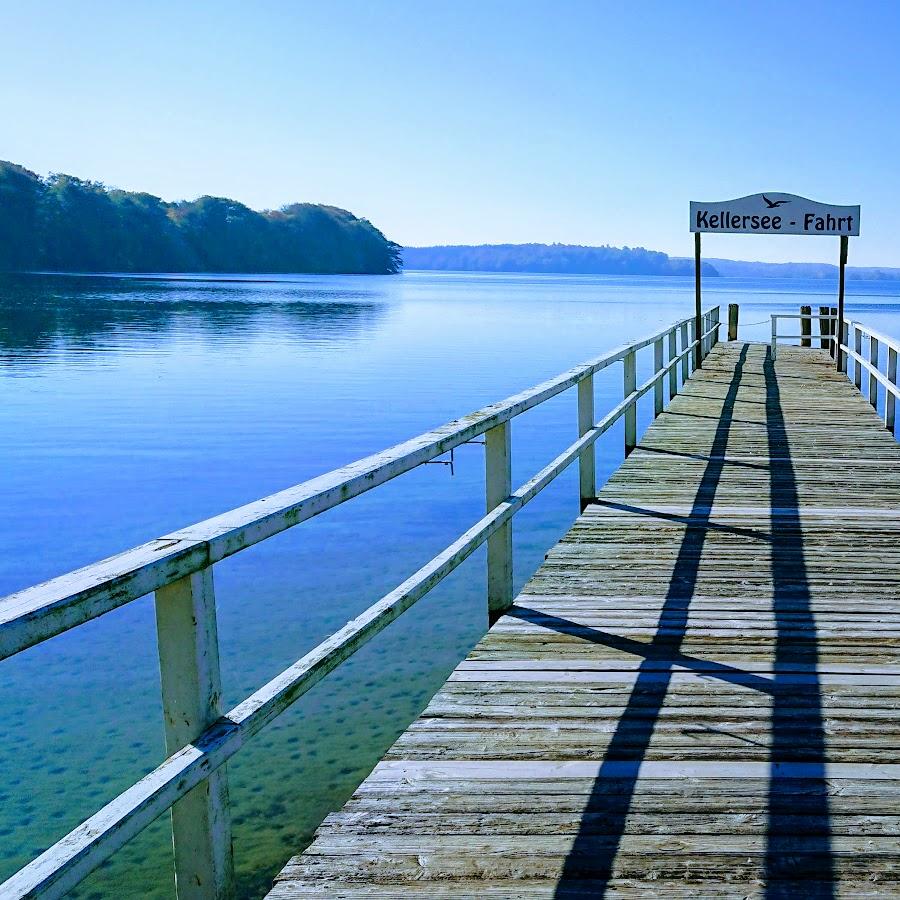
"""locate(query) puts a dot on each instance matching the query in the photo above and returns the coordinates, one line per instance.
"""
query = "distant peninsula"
(573, 259)
(733, 268)
(64, 224)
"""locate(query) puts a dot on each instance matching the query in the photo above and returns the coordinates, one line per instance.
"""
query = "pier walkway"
(695, 695)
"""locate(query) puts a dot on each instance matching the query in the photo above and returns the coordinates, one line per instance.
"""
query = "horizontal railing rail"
(178, 569)
(844, 353)
(826, 336)
(887, 379)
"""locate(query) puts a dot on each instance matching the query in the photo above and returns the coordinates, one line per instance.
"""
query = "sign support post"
(839, 355)
(698, 308)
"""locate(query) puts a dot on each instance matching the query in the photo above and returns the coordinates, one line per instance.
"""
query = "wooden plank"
(696, 693)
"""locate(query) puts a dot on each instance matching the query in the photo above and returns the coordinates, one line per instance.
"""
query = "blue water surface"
(133, 406)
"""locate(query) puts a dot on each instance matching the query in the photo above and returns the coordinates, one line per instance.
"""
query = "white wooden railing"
(178, 569)
(887, 379)
(806, 335)
(864, 339)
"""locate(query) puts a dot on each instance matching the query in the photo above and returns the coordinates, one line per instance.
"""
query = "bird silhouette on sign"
(774, 204)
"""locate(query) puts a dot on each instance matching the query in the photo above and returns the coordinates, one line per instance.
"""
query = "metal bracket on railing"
(452, 461)
(443, 462)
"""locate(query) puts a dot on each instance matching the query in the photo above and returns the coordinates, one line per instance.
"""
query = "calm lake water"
(134, 406)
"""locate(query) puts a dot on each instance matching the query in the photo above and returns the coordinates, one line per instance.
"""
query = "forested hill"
(61, 223)
(734, 268)
(561, 258)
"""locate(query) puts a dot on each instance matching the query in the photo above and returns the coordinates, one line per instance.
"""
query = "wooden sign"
(774, 214)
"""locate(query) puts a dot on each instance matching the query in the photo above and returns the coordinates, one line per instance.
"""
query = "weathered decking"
(694, 696)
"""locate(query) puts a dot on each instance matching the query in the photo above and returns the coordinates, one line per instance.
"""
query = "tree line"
(66, 224)
(547, 258)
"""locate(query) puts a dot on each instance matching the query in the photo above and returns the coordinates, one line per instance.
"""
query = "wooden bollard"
(823, 326)
(732, 321)
(806, 327)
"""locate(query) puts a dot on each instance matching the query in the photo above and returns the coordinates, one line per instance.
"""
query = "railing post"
(587, 458)
(686, 359)
(498, 486)
(673, 371)
(845, 340)
(774, 342)
(873, 381)
(629, 385)
(833, 330)
(658, 385)
(890, 401)
(191, 692)
(805, 326)
(717, 321)
(857, 346)
(732, 321)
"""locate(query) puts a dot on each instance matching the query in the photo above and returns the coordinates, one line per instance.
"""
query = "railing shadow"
(589, 856)
(797, 720)
(798, 730)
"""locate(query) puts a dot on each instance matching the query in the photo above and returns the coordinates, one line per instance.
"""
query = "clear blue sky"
(471, 122)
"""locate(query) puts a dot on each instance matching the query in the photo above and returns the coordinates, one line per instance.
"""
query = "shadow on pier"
(797, 729)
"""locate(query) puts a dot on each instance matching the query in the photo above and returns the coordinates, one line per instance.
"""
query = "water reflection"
(41, 315)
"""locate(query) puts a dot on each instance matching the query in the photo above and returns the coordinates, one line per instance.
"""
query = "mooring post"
(673, 371)
(732, 321)
(587, 475)
(840, 361)
(698, 327)
(498, 486)
(629, 384)
(823, 327)
(658, 385)
(806, 326)
(191, 697)
(873, 381)
(686, 359)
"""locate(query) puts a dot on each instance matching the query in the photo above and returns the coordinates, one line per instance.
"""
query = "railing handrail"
(173, 561)
(887, 379)
(844, 353)
(802, 316)
(824, 337)
(872, 333)
(32, 615)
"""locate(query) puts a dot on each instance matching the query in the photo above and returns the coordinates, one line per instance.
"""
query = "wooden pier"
(695, 696)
